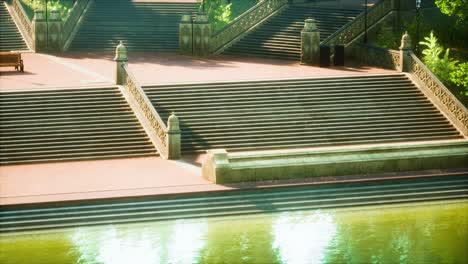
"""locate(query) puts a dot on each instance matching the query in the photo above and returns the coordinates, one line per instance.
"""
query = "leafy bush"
(222, 12)
(63, 6)
(442, 66)
(460, 76)
(453, 74)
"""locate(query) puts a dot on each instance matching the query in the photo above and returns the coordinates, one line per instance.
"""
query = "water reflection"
(175, 242)
(303, 237)
(415, 233)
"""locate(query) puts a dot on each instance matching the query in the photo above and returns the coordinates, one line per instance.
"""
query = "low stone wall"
(221, 167)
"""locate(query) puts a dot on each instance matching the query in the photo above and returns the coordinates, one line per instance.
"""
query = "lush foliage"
(219, 12)
(63, 6)
(457, 8)
(452, 73)
(222, 12)
(460, 76)
(437, 59)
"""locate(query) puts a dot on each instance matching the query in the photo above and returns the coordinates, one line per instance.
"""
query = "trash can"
(324, 56)
(339, 55)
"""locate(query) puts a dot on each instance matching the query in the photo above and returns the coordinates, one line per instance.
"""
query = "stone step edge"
(221, 167)
(241, 81)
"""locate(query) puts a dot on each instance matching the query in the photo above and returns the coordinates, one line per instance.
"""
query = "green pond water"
(405, 233)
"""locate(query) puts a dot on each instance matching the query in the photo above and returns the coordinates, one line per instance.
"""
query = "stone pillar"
(405, 53)
(201, 35)
(54, 35)
(216, 167)
(310, 43)
(121, 59)
(39, 28)
(173, 137)
(185, 35)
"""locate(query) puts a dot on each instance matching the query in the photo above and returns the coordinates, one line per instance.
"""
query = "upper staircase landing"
(10, 37)
(142, 25)
(280, 36)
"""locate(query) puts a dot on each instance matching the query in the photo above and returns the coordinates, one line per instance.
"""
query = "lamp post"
(418, 16)
(365, 21)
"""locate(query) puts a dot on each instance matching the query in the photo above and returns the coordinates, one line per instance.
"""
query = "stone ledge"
(222, 167)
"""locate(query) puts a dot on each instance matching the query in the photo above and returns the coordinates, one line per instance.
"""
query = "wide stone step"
(145, 26)
(390, 191)
(74, 124)
(301, 112)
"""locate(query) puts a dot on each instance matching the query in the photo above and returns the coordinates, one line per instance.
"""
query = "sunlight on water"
(410, 233)
(295, 232)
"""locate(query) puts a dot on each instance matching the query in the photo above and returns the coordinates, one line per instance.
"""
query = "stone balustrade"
(23, 21)
(241, 24)
(166, 139)
(355, 28)
(72, 19)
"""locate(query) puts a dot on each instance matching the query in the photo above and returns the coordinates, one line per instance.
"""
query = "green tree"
(458, 8)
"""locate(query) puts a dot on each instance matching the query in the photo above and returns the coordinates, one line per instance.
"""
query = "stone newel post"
(185, 35)
(201, 35)
(310, 43)
(121, 60)
(405, 53)
(39, 27)
(173, 137)
(55, 31)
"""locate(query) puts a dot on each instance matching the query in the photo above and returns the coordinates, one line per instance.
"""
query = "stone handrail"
(245, 21)
(440, 95)
(151, 119)
(23, 21)
(72, 18)
(354, 28)
(376, 56)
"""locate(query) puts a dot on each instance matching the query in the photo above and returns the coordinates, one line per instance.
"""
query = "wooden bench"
(11, 59)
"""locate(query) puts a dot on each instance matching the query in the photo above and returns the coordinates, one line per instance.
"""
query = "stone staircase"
(280, 37)
(299, 113)
(439, 186)
(72, 124)
(10, 37)
(143, 26)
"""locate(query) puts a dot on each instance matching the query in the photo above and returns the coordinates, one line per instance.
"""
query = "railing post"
(310, 43)
(120, 60)
(39, 31)
(173, 137)
(54, 35)
(201, 35)
(186, 35)
(405, 53)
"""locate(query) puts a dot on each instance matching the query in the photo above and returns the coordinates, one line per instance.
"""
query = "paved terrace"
(131, 177)
(95, 69)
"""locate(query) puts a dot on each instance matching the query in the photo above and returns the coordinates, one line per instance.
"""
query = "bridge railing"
(439, 94)
(24, 23)
(72, 19)
(355, 28)
(244, 22)
(427, 82)
(376, 56)
(145, 112)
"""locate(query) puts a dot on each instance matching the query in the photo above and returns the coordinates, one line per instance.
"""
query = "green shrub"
(63, 6)
(441, 66)
(460, 76)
